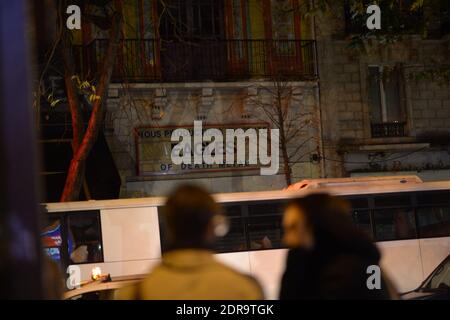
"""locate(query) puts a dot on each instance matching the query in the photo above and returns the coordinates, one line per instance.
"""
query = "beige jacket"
(193, 275)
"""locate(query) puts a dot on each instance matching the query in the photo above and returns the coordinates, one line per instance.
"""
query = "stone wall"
(160, 105)
(344, 96)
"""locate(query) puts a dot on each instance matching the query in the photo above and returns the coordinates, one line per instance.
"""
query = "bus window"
(433, 222)
(396, 200)
(268, 208)
(234, 240)
(358, 203)
(265, 232)
(361, 219)
(52, 240)
(433, 198)
(394, 224)
(84, 237)
(264, 225)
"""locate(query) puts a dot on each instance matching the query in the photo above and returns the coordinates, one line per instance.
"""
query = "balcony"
(388, 130)
(202, 60)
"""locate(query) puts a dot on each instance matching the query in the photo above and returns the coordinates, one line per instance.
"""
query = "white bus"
(409, 220)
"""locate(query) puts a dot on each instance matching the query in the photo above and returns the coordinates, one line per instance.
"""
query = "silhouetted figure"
(329, 257)
(53, 280)
(189, 270)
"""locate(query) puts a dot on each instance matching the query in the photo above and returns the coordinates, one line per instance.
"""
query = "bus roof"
(332, 188)
(354, 181)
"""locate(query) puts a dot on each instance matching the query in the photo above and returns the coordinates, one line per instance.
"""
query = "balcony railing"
(202, 60)
(388, 130)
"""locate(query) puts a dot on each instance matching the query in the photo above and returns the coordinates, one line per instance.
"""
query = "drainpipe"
(318, 97)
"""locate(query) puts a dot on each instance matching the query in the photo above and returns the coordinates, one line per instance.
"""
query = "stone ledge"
(201, 85)
(400, 146)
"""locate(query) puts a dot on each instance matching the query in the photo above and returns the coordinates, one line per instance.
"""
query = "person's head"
(314, 218)
(192, 217)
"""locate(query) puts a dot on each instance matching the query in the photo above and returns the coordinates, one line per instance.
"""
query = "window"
(73, 238)
(84, 237)
(393, 200)
(264, 225)
(252, 227)
(433, 198)
(282, 19)
(52, 240)
(236, 27)
(190, 30)
(386, 97)
(433, 222)
(269, 208)
(394, 224)
(207, 18)
(191, 19)
(361, 219)
(445, 17)
(238, 18)
(235, 238)
(361, 214)
(358, 203)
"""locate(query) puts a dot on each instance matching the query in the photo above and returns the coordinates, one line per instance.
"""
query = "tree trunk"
(75, 173)
(73, 101)
(287, 166)
(283, 143)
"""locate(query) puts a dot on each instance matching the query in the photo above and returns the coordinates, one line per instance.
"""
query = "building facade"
(227, 63)
(381, 115)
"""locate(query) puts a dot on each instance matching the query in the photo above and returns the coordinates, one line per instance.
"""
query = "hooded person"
(328, 257)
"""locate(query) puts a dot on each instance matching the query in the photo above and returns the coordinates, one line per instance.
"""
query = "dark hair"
(330, 221)
(188, 213)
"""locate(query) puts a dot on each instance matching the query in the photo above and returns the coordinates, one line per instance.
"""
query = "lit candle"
(96, 273)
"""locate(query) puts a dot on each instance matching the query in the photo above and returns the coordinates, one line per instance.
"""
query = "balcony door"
(192, 33)
(282, 29)
(238, 43)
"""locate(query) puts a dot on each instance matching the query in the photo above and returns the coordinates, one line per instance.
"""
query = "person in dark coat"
(329, 257)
